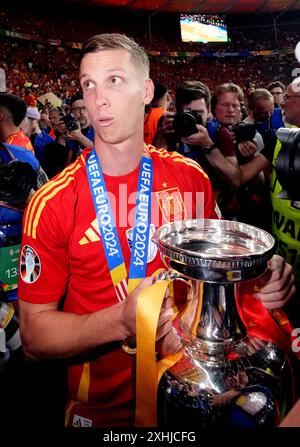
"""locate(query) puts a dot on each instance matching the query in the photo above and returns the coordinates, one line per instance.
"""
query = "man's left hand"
(201, 138)
(74, 135)
(277, 285)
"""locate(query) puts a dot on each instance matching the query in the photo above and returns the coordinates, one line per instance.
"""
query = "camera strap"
(6, 155)
(108, 230)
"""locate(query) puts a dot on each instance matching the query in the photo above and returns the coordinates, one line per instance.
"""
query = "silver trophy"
(224, 377)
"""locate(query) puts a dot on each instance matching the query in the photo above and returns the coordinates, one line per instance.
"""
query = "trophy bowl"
(215, 250)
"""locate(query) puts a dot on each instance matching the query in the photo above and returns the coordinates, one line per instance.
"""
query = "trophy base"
(241, 393)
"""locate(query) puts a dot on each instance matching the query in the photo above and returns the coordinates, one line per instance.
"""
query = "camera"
(244, 132)
(9, 322)
(185, 123)
(17, 178)
(70, 122)
(288, 163)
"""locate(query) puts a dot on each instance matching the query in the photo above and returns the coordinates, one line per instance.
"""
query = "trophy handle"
(172, 275)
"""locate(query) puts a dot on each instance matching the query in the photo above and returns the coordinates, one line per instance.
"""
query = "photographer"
(196, 136)
(286, 212)
(66, 130)
(250, 203)
(277, 89)
(79, 129)
(263, 115)
(227, 104)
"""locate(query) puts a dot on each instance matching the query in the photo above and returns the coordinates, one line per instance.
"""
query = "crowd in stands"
(50, 69)
(47, 68)
(73, 28)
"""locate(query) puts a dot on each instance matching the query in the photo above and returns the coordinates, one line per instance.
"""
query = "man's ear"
(149, 91)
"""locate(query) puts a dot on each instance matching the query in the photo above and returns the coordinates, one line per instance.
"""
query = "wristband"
(208, 150)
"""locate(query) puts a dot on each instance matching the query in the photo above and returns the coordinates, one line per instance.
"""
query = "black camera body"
(288, 163)
(17, 179)
(70, 122)
(185, 123)
(244, 132)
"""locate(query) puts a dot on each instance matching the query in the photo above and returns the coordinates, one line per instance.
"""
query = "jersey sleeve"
(43, 259)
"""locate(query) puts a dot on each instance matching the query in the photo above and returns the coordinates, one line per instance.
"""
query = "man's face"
(263, 110)
(80, 113)
(54, 118)
(115, 92)
(200, 106)
(277, 93)
(228, 109)
(291, 105)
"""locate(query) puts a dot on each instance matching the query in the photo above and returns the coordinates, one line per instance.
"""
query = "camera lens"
(184, 124)
(288, 163)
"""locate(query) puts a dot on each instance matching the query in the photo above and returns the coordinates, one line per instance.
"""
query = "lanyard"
(108, 230)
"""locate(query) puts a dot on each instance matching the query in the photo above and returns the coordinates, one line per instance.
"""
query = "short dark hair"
(159, 91)
(76, 97)
(190, 91)
(15, 105)
(275, 84)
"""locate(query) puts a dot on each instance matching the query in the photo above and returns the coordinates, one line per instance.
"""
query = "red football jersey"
(61, 234)
(20, 139)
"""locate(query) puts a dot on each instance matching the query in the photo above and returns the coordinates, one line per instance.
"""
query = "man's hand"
(160, 138)
(277, 285)
(77, 135)
(201, 138)
(167, 123)
(247, 148)
(74, 135)
(128, 315)
(167, 340)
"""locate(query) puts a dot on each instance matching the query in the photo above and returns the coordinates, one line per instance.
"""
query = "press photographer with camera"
(263, 115)
(78, 126)
(250, 203)
(193, 133)
(71, 128)
(227, 104)
(281, 156)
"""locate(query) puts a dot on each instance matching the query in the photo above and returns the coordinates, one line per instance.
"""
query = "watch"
(209, 149)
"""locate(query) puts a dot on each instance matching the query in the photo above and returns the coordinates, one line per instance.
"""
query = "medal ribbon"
(108, 230)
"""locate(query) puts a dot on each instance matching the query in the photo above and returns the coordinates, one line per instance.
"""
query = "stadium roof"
(203, 6)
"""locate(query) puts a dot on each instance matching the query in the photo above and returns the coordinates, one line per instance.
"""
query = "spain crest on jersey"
(30, 265)
(171, 204)
(152, 248)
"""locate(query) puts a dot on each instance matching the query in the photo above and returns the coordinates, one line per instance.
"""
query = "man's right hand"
(128, 315)
(167, 340)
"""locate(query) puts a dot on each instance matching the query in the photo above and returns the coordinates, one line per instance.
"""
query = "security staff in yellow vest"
(286, 213)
